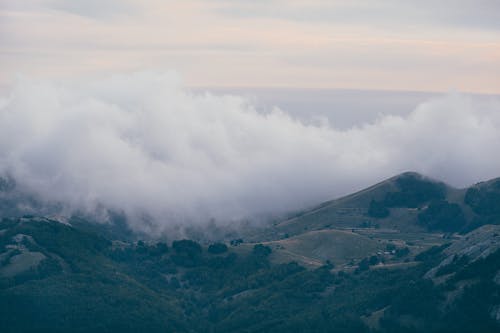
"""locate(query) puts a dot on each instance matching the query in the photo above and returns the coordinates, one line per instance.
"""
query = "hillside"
(54, 277)
(402, 197)
(408, 211)
(335, 266)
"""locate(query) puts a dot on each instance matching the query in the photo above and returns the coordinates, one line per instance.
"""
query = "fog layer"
(144, 145)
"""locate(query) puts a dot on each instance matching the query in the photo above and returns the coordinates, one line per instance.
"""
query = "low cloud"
(144, 145)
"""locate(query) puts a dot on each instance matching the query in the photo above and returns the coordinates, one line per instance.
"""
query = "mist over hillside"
(409, 254)
(144, 145)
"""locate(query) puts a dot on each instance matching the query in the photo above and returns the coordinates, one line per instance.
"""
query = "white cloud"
(143, 144)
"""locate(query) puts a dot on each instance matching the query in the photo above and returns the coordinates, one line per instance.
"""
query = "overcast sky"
(393, 45)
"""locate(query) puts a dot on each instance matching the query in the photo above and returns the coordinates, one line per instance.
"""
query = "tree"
(217, 248)
(377, 209)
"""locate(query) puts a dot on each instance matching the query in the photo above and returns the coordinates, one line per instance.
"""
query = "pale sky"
(384, 45)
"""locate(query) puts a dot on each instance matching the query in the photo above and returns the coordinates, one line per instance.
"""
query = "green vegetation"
(483, 199)
(376, 261)
(413, 191)
(435, 212)
(88, 283)
(442, 215)
(217, 248)
(378, 209)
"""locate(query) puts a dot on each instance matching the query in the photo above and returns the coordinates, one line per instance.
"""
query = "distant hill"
(408, 211)
(401, 196)
(408, 202)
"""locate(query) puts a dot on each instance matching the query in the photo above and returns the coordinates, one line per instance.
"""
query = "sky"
(180, 112)
(383, 45)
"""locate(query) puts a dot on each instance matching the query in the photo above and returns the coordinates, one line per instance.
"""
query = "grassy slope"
(315, 247)
(334, 230)
(351, 211)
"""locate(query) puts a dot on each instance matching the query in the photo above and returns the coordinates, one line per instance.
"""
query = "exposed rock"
(495, 313)
(477, 244)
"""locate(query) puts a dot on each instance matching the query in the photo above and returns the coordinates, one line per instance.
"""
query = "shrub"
(378, 209)
(217, 248)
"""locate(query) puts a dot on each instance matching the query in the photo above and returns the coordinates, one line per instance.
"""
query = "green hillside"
(403, 197)
(316, 247)
(333, 268)
(54, 277)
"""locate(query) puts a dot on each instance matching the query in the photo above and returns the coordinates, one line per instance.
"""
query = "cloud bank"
(144, 145)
